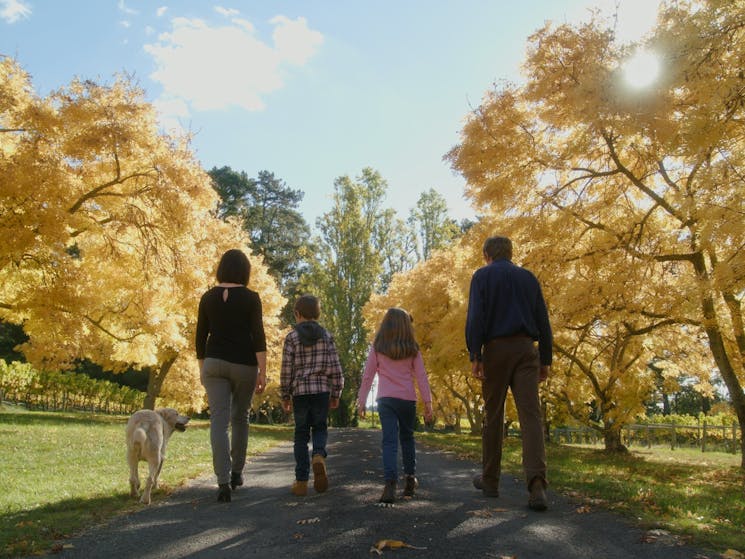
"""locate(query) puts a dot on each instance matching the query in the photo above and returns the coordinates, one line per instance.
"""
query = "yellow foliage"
(627, 203)
(109, 233)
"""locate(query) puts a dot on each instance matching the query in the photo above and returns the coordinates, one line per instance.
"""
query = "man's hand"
(544, 372)
(287, 405)
(333, 403)
(477, 369)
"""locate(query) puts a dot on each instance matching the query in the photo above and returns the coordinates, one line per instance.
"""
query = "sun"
(642, 69)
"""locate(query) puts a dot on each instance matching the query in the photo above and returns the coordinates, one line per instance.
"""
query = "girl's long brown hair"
(395, 337)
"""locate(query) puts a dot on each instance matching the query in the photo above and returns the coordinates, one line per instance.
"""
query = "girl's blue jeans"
(397, 419)
(311, 413)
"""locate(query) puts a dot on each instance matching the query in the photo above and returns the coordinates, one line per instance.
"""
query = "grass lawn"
(62, 472)
(700, 496)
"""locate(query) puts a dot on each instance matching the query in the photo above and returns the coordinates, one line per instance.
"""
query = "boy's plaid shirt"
(310, 369)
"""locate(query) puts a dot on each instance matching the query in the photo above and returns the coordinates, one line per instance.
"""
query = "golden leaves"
(391, 544)
(110, 237)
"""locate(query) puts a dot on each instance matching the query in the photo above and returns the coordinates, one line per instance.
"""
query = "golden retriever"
(148, 432)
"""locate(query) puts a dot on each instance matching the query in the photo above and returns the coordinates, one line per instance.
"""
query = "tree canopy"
(628, 201)
(109, 232)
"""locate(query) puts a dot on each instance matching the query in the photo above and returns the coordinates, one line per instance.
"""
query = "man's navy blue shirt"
(506, 300)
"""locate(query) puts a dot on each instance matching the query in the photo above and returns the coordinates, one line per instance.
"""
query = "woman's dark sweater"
(232, 329)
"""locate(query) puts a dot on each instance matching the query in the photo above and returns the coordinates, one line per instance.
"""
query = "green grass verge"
(61, 472)
(698, 496)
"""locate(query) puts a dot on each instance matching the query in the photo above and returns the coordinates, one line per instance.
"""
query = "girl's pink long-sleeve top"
(395, 378)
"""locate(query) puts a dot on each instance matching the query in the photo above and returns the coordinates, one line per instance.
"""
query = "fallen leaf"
(314, 520)
(583, 509)
(485, 513)
(733, 554)
(391, 544)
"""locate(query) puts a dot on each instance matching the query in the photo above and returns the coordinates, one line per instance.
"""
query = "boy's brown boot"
(320, 479)
(300, 488)
(389, 491)
(410, 487)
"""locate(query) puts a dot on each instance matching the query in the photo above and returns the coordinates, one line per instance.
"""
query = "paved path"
(447, 516)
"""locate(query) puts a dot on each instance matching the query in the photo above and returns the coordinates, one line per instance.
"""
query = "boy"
(311, 384)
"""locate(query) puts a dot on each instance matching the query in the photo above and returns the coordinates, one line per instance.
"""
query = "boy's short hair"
(309, 307)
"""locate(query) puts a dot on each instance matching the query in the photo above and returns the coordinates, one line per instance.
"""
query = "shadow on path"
(447, 516)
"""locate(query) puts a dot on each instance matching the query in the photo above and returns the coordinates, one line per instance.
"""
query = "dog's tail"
(139, 436)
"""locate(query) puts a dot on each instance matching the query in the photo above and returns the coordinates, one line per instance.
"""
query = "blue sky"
(309, 90)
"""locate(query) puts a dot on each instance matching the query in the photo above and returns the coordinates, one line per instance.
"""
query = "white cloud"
(126, 24)
(212, 68)
(294, 40)
(247, 25)
(227, 12)
(125, 9)
(173, 113)
(160, 11)
(13, 10)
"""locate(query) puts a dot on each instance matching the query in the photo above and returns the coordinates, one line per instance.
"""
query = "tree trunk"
(718, 350)
(344, 415)
(155, 382)
(612, 437)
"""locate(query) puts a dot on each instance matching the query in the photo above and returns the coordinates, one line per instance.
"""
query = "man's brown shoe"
(300, 488)
(478, 483)
(320, 479)
(537, 500)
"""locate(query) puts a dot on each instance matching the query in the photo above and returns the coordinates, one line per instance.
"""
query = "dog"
(148, 433)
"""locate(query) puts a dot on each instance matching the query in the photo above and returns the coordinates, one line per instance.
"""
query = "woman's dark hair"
(234, 267)
(395, 337)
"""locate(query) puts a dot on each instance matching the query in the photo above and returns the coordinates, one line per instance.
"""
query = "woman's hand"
(261, 382)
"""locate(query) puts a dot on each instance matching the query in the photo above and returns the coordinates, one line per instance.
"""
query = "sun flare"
(642, 69)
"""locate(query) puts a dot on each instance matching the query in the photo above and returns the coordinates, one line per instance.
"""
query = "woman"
(231, 351)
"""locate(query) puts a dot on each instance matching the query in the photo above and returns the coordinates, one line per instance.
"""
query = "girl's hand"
(361, 412)
(428, 411)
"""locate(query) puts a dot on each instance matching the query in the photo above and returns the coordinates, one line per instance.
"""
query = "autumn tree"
(268, 210)
(110, 233)
(432, 225)
(654, 173)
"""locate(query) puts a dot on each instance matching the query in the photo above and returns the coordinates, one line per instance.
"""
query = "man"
(506, 315)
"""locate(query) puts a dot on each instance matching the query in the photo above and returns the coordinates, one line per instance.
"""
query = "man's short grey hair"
(498, 247)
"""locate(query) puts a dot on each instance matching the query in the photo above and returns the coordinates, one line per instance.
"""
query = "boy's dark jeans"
(311, 413)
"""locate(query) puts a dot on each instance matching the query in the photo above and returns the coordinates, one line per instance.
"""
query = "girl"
(396, 359)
